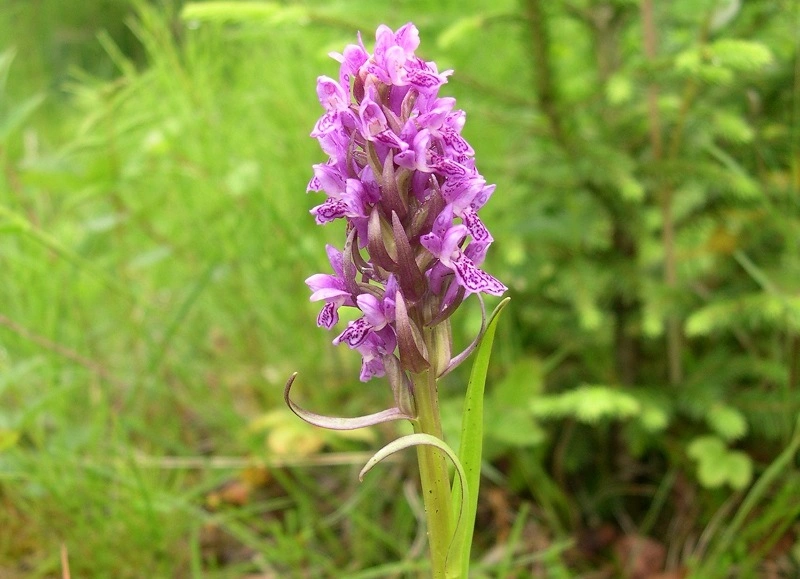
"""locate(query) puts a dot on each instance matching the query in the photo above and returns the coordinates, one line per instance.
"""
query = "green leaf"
(760, 490)
(588, 403)
(455, 553)
(471, 447)
(654, 418)
(717, 466)
(732, 127)
(727, 421)
(705, 446)
(740, 470)
(508, 419)
(744, 55)
(751, 311)
(619, 89)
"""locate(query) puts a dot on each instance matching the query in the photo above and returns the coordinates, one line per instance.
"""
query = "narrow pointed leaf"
(472, 434)
(378, 251)
(348, 264)
(339, 423)
(391, 194)
(425, 215)
(413, 353)
(412, 280)
(402, 387)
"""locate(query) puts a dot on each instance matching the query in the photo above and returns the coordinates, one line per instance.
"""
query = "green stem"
(433, 471)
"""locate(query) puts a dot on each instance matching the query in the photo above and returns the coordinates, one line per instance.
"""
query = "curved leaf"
(339, 423)
(457, 545)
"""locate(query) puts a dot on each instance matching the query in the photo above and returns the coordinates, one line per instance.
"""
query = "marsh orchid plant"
(404, 181)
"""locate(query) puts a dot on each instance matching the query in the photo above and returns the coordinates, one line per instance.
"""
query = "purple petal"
(330, 210)
(373, 312)
(328, 315)
(407, 37)
(335, 259)
(329, 294)
(448, 167)
(475, 280)
(331, 94)
(476, 227)
(355, 333)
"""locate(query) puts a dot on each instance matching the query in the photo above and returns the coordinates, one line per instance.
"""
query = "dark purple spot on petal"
(476, 227)
(328, 316)
(328, 211)
(423, 79)
(355, 333)
(448, 167)
(456, 142)
(475, 280)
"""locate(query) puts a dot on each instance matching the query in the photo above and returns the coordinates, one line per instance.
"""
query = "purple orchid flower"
(403, 178)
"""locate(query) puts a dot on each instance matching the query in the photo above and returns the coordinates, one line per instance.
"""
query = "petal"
(329, 294)
(394, 62)
(371, 368)
(331, 94)
(328, 316)
(330, 210)
(354, 335)
(482, 197)
(451, 241)
(407, 37)
(373, 312)
(475, 280)
(326, 124)
(476, 227)
(335, 259)
(330, 178)
(448, 167)
(320, 281)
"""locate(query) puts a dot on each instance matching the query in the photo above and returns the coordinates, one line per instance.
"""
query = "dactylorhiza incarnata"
(404, 180)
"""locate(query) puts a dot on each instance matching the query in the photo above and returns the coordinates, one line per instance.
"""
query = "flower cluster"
(404, 180)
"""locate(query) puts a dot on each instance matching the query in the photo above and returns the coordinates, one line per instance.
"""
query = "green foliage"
(509, 422)
(717, 465)
(727, 422)
(590, 404)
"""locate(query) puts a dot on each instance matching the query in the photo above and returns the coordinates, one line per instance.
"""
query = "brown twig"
(65, 574)
(240, 462)
(547, 98)
(674, 330)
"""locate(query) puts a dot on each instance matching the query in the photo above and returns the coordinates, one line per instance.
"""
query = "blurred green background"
(155, 235)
